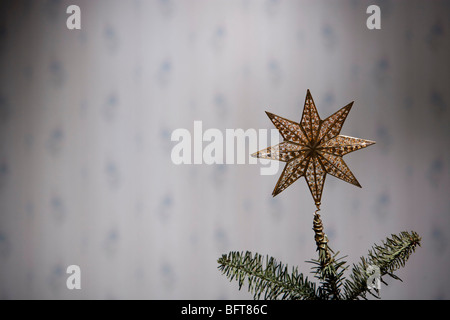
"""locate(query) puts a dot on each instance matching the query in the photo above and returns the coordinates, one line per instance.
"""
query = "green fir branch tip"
(388, 257)
(266, 277)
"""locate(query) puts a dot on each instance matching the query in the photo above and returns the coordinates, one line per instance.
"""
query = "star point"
(313, 148)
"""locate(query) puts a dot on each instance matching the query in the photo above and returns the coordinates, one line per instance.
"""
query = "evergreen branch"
(331, 277)
(388, 257)
(271, 278)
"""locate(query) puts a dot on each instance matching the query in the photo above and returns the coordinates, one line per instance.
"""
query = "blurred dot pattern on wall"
(86, 118)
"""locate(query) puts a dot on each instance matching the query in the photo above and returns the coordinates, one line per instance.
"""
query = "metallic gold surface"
(321, 240)
(312, 148)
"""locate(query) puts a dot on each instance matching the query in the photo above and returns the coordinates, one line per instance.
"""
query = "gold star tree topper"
(313, 148)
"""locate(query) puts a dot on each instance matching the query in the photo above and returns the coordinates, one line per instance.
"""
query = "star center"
(313, 150)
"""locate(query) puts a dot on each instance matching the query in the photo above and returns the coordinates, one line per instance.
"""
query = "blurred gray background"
(86, 118)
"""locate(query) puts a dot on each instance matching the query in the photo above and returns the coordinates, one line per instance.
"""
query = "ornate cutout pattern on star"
(313, 148)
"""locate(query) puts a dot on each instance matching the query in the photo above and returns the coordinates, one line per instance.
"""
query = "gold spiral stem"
(321, 240)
